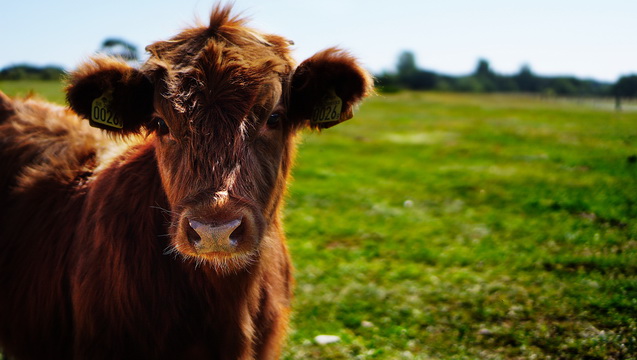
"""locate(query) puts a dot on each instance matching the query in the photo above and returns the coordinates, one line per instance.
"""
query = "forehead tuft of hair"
(205, 65)
(220, 17)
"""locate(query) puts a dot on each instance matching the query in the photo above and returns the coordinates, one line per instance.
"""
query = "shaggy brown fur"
(100, 250)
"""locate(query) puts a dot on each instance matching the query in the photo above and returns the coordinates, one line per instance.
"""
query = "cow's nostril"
(209, 238)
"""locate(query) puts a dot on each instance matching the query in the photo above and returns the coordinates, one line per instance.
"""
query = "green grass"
(467, 227)
(449, 226)
(51, 90)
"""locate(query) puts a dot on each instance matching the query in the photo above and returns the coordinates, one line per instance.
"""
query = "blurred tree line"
(111, 46)
(485, 80)
(406, 76)
(30, 72)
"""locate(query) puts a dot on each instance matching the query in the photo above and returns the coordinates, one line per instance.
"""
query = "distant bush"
(30, 72)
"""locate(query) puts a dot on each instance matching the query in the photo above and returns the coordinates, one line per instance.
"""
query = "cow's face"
(221, 104)
(223, 143)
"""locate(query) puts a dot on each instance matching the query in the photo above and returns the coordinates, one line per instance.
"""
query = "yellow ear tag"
(328, 109)
(101, 113)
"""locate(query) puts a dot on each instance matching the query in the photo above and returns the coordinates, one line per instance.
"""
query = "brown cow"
(164, 240)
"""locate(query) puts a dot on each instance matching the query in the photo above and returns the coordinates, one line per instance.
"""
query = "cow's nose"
(209, 238)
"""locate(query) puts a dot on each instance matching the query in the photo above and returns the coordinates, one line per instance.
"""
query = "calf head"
(222, 104)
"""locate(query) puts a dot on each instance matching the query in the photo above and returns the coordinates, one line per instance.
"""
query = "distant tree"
(564, 86)
(410, 76)
(469, 84)
(526, 80)
(485, 77)
(446, 83)
(120, 48)
(406, 64)
(483, 69)
(626, 86)
(420, 80)
(505, 83)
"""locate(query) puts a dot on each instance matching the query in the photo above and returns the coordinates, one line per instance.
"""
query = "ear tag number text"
(101, 112)
(328, 109)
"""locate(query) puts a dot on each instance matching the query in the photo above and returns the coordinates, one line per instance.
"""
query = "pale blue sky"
(586, 38)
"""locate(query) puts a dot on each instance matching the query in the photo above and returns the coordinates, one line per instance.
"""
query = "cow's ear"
(326, 87)
(111, 94)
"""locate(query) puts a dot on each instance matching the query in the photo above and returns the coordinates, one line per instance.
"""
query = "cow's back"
(46, 156)
(42, 144)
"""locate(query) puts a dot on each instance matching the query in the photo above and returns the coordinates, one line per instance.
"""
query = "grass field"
(450, 226)
(51, 90)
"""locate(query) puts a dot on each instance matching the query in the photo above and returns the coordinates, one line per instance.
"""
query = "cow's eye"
(274, 120)
(160, 126)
